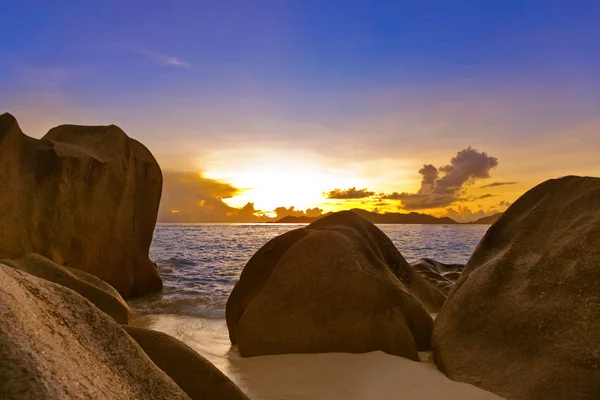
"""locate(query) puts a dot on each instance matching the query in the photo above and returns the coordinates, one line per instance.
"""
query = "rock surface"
(82, 196)
(192, 372)
(104, 296)
(442, 276)
(522, 321)
(338, 285)
(431, 298)
(54, 344)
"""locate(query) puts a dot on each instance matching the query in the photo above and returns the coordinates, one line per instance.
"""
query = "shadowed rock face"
(54, 344)
(192, 372)
(384, 249)
(523, 319)
(442, 276)
(104, 296)
(83, 196)
(338, 285)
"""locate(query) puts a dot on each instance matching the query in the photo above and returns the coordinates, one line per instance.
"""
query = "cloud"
(465, 214)
(466, 167)
(351, 193)
(281, 212)
(505, 204)
(484, 196)
(190, 197)
(162, 58)
(430, 174)
(412, 201)
(494, 184)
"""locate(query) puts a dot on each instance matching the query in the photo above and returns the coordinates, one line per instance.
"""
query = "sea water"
(200, 263)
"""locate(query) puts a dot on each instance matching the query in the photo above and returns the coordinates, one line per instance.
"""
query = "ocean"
(200, 263)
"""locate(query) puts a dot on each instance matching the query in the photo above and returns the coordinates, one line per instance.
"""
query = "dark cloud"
(415, 201)
(351, 193)
(190, 197)
(394, 196)
(464, 198)
(430, 174)
(412, 201)
(494, 184)
(466, 167)
(504, 204)
(484, 196)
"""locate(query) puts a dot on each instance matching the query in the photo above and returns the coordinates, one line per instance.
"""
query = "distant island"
(391, 218)
(490, 219)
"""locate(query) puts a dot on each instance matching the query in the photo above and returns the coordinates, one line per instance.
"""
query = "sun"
(283, 183)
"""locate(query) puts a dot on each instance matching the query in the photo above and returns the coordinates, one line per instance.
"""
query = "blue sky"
(208, 85)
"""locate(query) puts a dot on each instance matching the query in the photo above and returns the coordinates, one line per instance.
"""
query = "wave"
(180, 305)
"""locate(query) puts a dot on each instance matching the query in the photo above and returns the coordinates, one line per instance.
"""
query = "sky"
(262, 109)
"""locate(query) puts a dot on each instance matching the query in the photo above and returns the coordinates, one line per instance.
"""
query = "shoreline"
(312, 376)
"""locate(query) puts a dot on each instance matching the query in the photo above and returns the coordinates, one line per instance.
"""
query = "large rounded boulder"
(83, 196)
(338, 285)
(54, 344)
(523, 320)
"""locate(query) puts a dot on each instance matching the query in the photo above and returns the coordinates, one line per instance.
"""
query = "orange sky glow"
(261, 112)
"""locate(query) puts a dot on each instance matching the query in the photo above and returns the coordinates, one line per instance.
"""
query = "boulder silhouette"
(83, 196)
(55, 344)
(104, 296)
(338, 285)
(192, 372)
(523, 319)
(442, 276)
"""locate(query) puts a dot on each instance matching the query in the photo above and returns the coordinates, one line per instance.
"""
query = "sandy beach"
(332, 376)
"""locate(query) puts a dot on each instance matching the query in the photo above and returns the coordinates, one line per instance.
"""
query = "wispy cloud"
(494, 184)
(162, 58)
(473, 198)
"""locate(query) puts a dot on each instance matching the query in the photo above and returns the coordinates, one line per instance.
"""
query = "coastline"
(312, 376)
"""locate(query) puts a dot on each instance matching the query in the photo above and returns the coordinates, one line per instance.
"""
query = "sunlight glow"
(284, 183)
